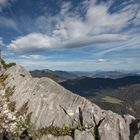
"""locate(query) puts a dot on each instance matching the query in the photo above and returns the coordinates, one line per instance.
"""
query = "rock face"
(50, 137)
(83, 135)
(49, 104)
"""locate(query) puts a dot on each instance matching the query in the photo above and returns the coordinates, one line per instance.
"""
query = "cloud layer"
(37, 42)
(71, 30)
(105, 31)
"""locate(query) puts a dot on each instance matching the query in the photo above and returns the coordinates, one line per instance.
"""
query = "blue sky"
(72, 35)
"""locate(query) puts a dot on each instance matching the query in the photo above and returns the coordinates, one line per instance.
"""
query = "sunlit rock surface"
(51, 104)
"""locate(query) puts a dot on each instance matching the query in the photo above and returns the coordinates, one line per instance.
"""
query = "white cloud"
(68, 29)
(65, 8)
(89, 40)
(131, 44)
(33, 57)
(97, 20)
(31, 43)
(101, 60)
(39, 42)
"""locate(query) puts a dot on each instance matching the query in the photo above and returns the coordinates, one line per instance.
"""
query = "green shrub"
(6, 66)
(10, 65)
(67, 130)
(25, 124)
(56, 131)
(9, 92)
(3, 77)
(29, 127)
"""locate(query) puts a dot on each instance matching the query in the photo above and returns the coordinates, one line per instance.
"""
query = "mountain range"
(119, 95)
(57, 76)
(60, 76)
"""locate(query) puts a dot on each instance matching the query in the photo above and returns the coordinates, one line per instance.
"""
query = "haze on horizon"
(81, 35)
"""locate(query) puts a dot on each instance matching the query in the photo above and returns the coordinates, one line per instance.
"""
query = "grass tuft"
(3, 77)
(56, 131)
(9, 92)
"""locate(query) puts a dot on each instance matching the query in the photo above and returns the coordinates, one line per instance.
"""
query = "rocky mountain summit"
(41, 109)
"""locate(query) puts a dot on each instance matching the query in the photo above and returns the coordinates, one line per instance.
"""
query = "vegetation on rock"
(56, 131)
(3, 77)
(9, 92)
(6, 66)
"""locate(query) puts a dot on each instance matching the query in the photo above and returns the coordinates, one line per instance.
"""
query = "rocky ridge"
(42, 109)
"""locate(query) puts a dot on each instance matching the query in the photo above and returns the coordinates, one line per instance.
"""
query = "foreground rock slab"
(49, 104)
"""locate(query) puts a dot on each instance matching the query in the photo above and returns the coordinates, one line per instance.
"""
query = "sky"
(71, 35)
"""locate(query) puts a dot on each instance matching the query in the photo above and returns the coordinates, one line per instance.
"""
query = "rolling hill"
(86, 86)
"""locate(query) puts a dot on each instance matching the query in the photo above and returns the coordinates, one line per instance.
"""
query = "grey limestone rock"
(83, 135)
(51, 137)
(50, 104)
